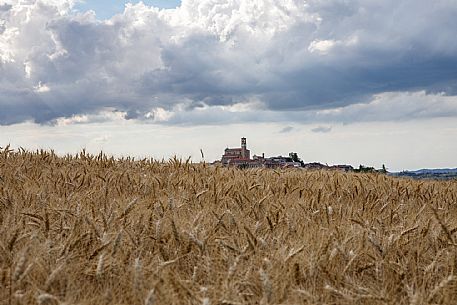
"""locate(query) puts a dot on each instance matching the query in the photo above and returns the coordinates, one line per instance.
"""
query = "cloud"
(385, 107)
(102, 139)
(393, 106)
(107, 115)
(303, 61)
(321, 46)
(287, 129)
(322, 129)
(5, 7)
(41, 88)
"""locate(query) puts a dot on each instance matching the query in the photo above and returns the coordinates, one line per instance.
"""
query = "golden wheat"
(85, 229)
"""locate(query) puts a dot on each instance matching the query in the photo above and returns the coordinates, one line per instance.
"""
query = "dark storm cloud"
(287, 58)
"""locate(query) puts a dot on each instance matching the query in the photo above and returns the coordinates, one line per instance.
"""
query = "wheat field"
(91, 229)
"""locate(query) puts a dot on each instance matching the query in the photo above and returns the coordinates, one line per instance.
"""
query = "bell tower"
(244, 154)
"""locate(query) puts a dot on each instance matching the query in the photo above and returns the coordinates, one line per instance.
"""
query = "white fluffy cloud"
(217, 61)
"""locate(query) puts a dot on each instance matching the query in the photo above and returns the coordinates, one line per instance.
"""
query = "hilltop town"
(241, 157)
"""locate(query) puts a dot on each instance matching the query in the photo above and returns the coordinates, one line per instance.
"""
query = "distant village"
(240, 157)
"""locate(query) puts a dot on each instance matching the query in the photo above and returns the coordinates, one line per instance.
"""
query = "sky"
(106, 9)
(338, 81)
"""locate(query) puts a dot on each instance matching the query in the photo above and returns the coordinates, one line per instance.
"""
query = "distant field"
(94, 230)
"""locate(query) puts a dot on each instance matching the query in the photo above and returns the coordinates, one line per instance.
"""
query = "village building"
(241, 157)
(345, 168)
(236, 155)
(315, 166)
(280, 161)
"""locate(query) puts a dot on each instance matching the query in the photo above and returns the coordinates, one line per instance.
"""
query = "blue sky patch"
(107, 8)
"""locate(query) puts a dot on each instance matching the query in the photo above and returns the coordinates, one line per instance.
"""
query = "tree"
(295, 158)
(365, 169)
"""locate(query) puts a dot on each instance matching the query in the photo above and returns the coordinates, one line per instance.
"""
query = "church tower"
(244, 151)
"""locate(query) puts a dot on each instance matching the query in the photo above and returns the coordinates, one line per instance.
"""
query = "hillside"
(437, 174)
(95, 230)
